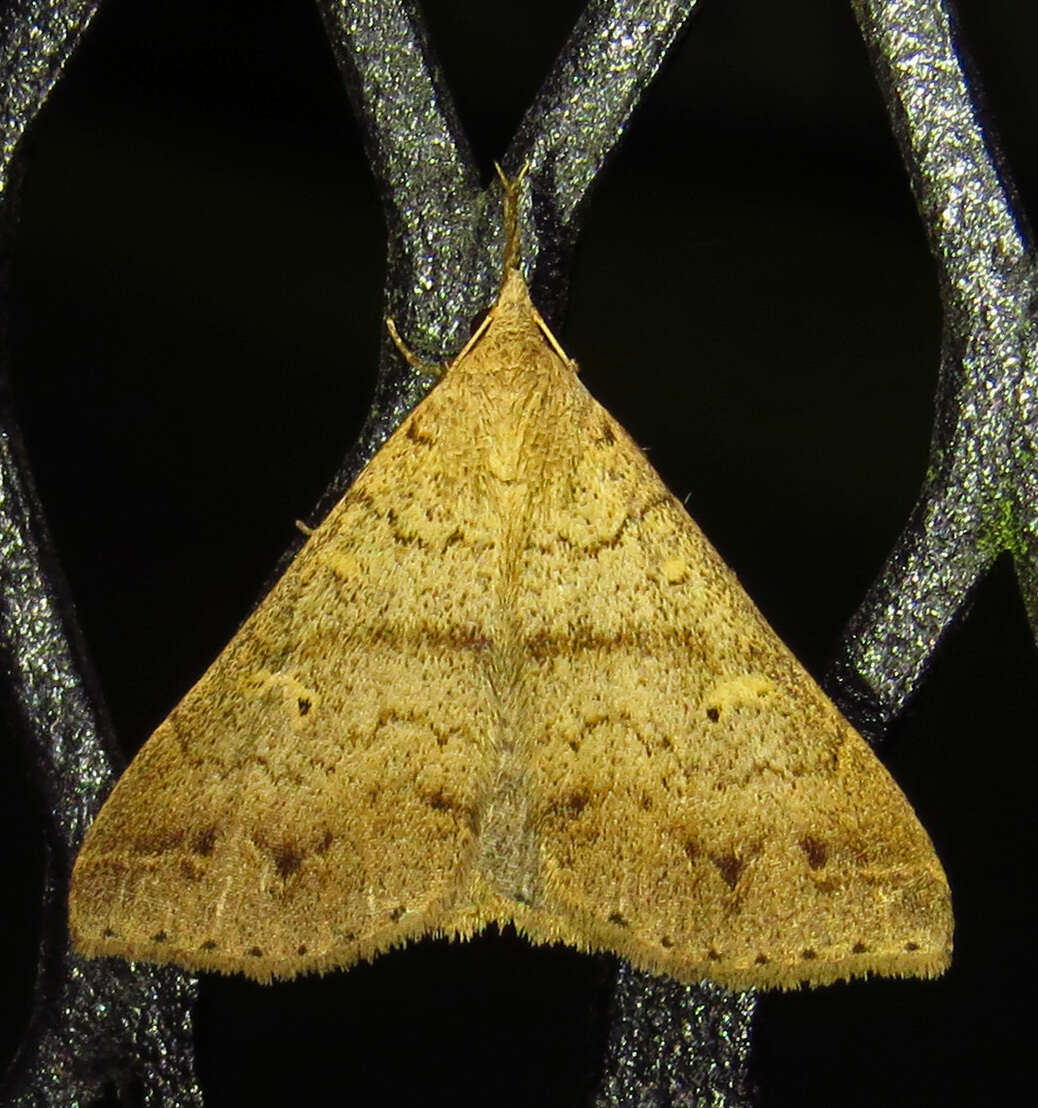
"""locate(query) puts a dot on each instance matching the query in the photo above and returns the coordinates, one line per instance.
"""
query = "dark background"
(196, 315)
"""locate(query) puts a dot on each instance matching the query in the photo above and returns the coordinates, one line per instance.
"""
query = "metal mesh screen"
(802, 470)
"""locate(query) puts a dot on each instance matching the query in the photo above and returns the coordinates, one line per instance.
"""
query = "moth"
(509, 680)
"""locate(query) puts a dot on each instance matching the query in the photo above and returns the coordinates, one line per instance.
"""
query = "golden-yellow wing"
(699, 805)
(509, 680)
(315, 797)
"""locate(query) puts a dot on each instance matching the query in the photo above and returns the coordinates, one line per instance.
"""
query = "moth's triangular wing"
(701, 806)
(314, 798)
(508, 679)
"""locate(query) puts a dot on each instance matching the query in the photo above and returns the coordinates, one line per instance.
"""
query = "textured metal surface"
(576, 121)
(431, 198)
(979, 498)
(676, 1045)
(668, 1045)
(36, 39)
(92, 1024)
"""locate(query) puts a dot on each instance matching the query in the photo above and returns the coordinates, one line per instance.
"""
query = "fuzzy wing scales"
(314, 798)
(701, 807)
